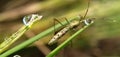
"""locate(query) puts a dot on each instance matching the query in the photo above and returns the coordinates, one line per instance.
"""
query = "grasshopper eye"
(88, 21)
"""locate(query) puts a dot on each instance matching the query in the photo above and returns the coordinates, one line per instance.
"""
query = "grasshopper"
(73, 24)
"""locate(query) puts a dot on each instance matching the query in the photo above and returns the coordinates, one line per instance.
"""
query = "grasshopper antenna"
(87, 9)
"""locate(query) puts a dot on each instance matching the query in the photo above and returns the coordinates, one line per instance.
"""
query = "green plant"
(61, 46)
(9, 41)
(33, 39)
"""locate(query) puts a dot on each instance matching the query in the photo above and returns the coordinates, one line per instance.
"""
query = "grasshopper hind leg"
(55, 19)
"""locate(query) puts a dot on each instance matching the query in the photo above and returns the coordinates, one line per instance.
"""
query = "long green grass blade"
(33, 39)
(9, 41)
(56, 50)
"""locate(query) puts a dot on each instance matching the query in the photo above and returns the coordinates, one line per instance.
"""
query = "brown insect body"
(63, 31)
(72, 25)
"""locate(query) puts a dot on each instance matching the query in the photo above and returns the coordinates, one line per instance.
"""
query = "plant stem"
(9, 41)
(33, 39)
(15, 36)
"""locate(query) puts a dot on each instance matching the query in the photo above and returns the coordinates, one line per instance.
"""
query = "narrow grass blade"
(33, 39)
(61, 46)
(9, 41)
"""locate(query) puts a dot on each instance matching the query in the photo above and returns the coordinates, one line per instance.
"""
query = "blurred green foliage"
(106, 12)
